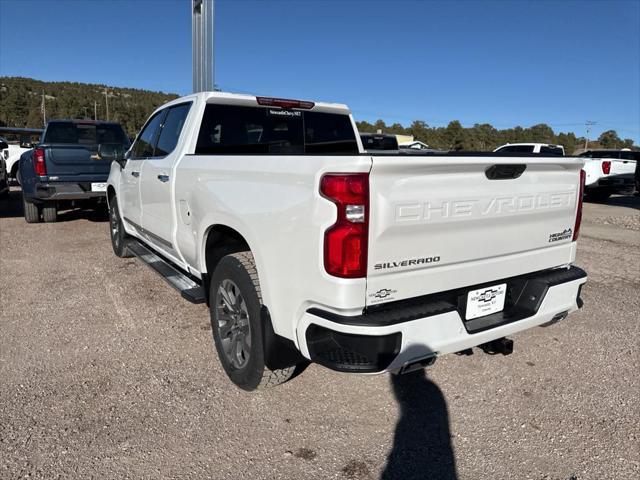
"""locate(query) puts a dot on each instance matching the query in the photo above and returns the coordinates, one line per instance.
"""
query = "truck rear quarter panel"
(274, 203)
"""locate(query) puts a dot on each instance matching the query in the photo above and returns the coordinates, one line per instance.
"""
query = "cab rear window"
(517, 149)
(229, 129)
(551, 151)
(84, 133)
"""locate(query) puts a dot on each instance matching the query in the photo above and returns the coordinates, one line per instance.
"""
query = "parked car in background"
(378, 142)
(4, 179)
(305, 247)
(609, 171)
(14, 150)
(71, 164)
(541, 148)
(637, 177)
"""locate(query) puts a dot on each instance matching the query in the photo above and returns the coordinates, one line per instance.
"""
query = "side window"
(517, 149)
(330, 133)
(171, 129)
(551, 151)
(143, 147)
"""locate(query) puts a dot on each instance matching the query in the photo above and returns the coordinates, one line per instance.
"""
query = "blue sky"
(506, 62)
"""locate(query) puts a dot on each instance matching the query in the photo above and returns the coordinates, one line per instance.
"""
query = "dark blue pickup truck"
(70, 165)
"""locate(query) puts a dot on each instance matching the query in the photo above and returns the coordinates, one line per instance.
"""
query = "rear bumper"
(65, 191)
(387, 340)
(615, 182)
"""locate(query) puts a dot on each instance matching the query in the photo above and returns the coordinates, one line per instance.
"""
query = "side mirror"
(113, 152)
(3, 145)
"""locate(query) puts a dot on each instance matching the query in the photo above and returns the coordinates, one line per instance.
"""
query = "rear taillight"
(606, 167)
(576, 228)
(38, 162)
(345, 242)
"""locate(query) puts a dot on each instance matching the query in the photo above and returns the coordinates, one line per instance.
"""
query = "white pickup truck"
(609, 172)
(306, 248)
(541, 148)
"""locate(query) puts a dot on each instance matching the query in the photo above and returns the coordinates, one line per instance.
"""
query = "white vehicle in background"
(609, 172)
(12, 159)
(14, 151)
(540, 148)
(4, 180)
(308, 248)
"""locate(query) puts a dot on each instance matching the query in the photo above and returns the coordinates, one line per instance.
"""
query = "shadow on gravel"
(629, 201)
(98, 215)
(422, 442)
(11, 207)
(11, 204)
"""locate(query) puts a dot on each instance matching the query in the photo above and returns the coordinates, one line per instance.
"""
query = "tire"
(50, 212)
(15, 173)
(31, 211)
(597, 195)
(119, 238)
(236, 324)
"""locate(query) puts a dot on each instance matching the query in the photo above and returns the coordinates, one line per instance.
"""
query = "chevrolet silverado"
(307, 248)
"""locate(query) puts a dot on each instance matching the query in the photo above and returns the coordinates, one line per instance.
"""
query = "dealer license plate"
(98, 187)
(486, 301)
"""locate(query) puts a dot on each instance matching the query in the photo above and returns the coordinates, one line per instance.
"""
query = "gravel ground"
(105, 372)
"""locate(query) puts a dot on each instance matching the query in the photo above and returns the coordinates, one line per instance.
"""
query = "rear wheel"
(119, 238)
(31, 211)
(235, 304)
(50, 212)
(15, 174)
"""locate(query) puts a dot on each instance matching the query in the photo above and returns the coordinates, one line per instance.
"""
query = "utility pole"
(106, 102)
(43, 109)
(202, 45)
(95, 110)
(85, 113)
(589, 124)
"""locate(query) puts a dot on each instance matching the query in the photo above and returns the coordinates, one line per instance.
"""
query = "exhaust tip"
(556, 318)
(414, 365)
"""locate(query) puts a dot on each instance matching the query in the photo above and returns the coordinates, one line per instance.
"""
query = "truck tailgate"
(439, 222)
(622, 167)
(75, 163)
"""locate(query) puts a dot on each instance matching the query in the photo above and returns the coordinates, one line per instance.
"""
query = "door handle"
(135, 174)
(163, 178)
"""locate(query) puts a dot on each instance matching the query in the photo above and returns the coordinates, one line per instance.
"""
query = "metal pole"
(589, 124)
(44, 111)
(106, 102)
(202, 44)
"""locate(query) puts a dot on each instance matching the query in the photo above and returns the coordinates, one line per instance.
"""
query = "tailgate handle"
(504, 172)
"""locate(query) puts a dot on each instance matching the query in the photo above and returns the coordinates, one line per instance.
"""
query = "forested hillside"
(21, 102)
(21, 106)
(484, 137)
